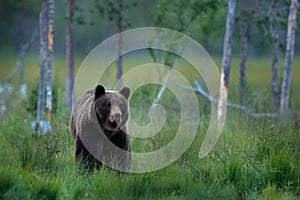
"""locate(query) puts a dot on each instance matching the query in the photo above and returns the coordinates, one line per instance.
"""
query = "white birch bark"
(275, 56)
(70, 56)
(243, 52)
(43, 62)
(227, 51)
(49, 58)
(290, 43)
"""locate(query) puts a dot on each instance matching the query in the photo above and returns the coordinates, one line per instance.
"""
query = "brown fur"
(99, 111)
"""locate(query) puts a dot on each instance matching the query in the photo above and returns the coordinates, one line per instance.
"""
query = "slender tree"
(46, 52)
(290, 39)
(119, 27)
(274, 29)
(227, 52)
(50, 38)
(270, 18)
(107, 71)
(181, 16)
(70, 55)
(43, 61)
(114, 11)
(243, 50)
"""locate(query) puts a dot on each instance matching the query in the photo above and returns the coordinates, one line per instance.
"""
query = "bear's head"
(111, 109)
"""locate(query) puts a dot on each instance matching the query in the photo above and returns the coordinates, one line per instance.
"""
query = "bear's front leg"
(82, 155)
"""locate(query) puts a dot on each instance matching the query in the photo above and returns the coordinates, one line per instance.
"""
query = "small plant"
(32, 98)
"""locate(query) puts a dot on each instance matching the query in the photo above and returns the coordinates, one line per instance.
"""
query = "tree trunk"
(227, 50)
(275, 57)
(107, 74)
(285, 87)
(243, 53)
(21, 73)
(70, 56)
(49, 58)
(119, 30)
(43, 61)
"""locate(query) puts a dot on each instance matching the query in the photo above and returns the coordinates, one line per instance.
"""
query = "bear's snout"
(116, 117)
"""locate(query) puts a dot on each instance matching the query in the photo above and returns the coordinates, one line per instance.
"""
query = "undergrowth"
(254, 159)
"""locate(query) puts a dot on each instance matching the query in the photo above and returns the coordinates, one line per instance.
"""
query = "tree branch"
(21, 57)
(200, 91)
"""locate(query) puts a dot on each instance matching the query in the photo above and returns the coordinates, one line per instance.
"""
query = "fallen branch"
(18, 67)
(200, 91)
(19, 63)
(163, 88)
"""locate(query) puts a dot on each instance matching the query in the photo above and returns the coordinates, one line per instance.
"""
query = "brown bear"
(98, 125)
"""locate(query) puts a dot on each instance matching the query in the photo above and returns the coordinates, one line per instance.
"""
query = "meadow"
(255, 158)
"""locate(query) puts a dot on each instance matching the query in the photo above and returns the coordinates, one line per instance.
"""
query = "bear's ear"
(99, 91)
(125, 91)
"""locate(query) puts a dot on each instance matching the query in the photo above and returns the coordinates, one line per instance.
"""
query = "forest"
(214, 109)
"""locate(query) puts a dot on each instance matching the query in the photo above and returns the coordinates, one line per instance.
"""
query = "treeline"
(205, 22)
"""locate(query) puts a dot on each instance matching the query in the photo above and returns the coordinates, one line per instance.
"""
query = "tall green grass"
(253, 159)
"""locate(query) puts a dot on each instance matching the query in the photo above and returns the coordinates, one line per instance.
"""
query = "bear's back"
(77, 107)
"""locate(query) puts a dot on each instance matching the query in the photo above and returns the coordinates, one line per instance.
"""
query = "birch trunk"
(21, 72)
(43, 61)
(70, 56)
(243, 53)
(285, 87)
(119, 63)
(275, 57)
(107, 71)
(227, 51)
(49, 58)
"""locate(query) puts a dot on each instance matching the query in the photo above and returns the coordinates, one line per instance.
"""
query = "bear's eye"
(108, 105)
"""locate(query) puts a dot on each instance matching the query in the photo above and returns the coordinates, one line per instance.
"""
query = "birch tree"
(290, 44)
(270, 19)
(45, 84)
(243, 50)
(114, 11)
(274, 30)
(43, 61)
(227, 52)
(70, 55)
(119, 28)
(49, 58)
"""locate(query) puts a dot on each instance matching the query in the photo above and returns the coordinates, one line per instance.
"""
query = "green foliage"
(111, 10)
(24, 186)
(198, 19)
(180, 15)
(32, 98)
(6, 183)
(264, 17)
(48, 190)
(140, 103)
(254, 158)
(258, 160)
(40, 156)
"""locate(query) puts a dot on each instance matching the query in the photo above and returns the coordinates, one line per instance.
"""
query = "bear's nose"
(118, 117)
